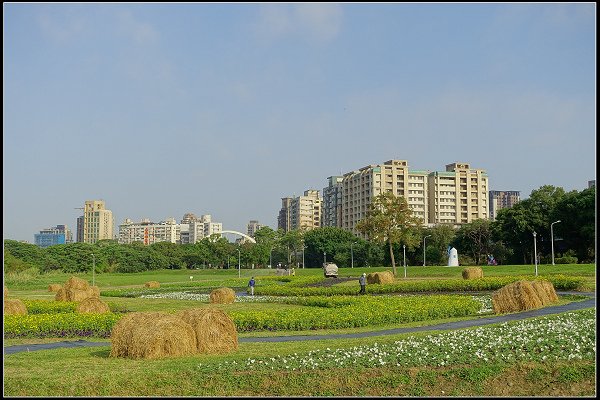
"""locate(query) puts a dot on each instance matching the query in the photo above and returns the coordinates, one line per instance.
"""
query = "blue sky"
(222, 109)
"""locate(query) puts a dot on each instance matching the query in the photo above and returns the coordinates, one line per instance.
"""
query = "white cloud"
(315, 21)
(62, 31)
(140, 32)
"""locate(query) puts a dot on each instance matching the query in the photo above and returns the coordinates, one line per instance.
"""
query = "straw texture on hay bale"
(5, 292)
(222, 296)
(545, 290)
(380, 277)
(152, 335)
(523, 295)
(93, 305)
(472, 273)
(215, 331)
(76, 289)
(54, 287)
(14, 306)
(152, 284)
(76, 283)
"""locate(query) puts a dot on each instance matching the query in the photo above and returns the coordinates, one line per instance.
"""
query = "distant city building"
(455, 196)
(98, 222)
(332, 202)
(302, 212)
(252, 227)
(60, 234)
(79, 232)
(458, 196)
(502, 199)
(591, 183)
(147, 232)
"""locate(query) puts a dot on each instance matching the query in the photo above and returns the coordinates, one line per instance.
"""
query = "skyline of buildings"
(457, 195)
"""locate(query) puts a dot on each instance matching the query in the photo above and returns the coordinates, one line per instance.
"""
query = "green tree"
(437, 245)
(327, 241)
(390, 220)
(292, 241)
(475, 239)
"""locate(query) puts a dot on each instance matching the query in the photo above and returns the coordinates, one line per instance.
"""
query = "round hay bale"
(77, 294)
(380, 277)
(61, 295)
(76, 283)
(545, 291)
(516, 296)
(93, 305)
(222, 296)
(54, 287)
(472, 273)
(152, 335)
(152, 284)
(215, 330)
(93, 291)
(5, 292)
(14, 306)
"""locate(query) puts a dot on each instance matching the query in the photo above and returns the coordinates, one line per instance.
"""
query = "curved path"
(576, 305)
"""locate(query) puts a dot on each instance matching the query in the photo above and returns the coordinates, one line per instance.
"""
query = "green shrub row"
(50, 306)
(560, 282)
(59, 325)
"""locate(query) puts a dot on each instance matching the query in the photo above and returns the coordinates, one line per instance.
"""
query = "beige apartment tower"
(394, 176)
(98, 222)
(302, 212)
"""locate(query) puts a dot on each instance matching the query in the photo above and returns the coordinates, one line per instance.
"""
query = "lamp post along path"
(535, 252)
(552, 238)
(424, 248)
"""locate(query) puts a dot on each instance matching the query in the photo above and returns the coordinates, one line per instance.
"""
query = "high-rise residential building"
(302, 212)
(458, 195)
(455, 196)
(332, 202)
(60, 234)
(252, 227)
(98, 222)
(148, 232)
(191, 230)
(283, 219)
(79, 232)
(502, 199)
(393, 176)
(591, 183)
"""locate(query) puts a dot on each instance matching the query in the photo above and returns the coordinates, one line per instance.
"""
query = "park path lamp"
(535, 251)
(239, 264)
(324, 257)
(271, 258)
(93, 269)
(303, 247)
(352, 254)
(404, 253)
(552, 238)
(424, 248)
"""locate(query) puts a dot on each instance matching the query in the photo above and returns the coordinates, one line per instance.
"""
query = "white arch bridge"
(241, 234)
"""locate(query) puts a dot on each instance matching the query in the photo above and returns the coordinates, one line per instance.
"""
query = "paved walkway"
(577, 305)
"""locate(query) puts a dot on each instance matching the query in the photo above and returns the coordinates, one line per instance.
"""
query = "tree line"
(393, 236)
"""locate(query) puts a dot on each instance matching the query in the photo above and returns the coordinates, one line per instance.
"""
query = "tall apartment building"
(149, 232)
(252, 227)
(458, 195)
(455, 196)
(359, 187)
(332, 201)
(98, 222)
(302, 212)
(191, 230)
(60, 234)
(502, 199)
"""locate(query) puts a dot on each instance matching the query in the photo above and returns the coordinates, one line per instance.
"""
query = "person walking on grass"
(363, 283)
(251, 285)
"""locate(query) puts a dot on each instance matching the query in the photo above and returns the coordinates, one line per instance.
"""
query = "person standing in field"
(251, 285)
(363, 283)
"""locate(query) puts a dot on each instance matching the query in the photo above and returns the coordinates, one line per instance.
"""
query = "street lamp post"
(271, 258)
(352, 255)
(303, 256)
(404, 254)
(535, 251)
(324, 257)
(239, 264)
(552, 238)
(424, 248)
(93, 270)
